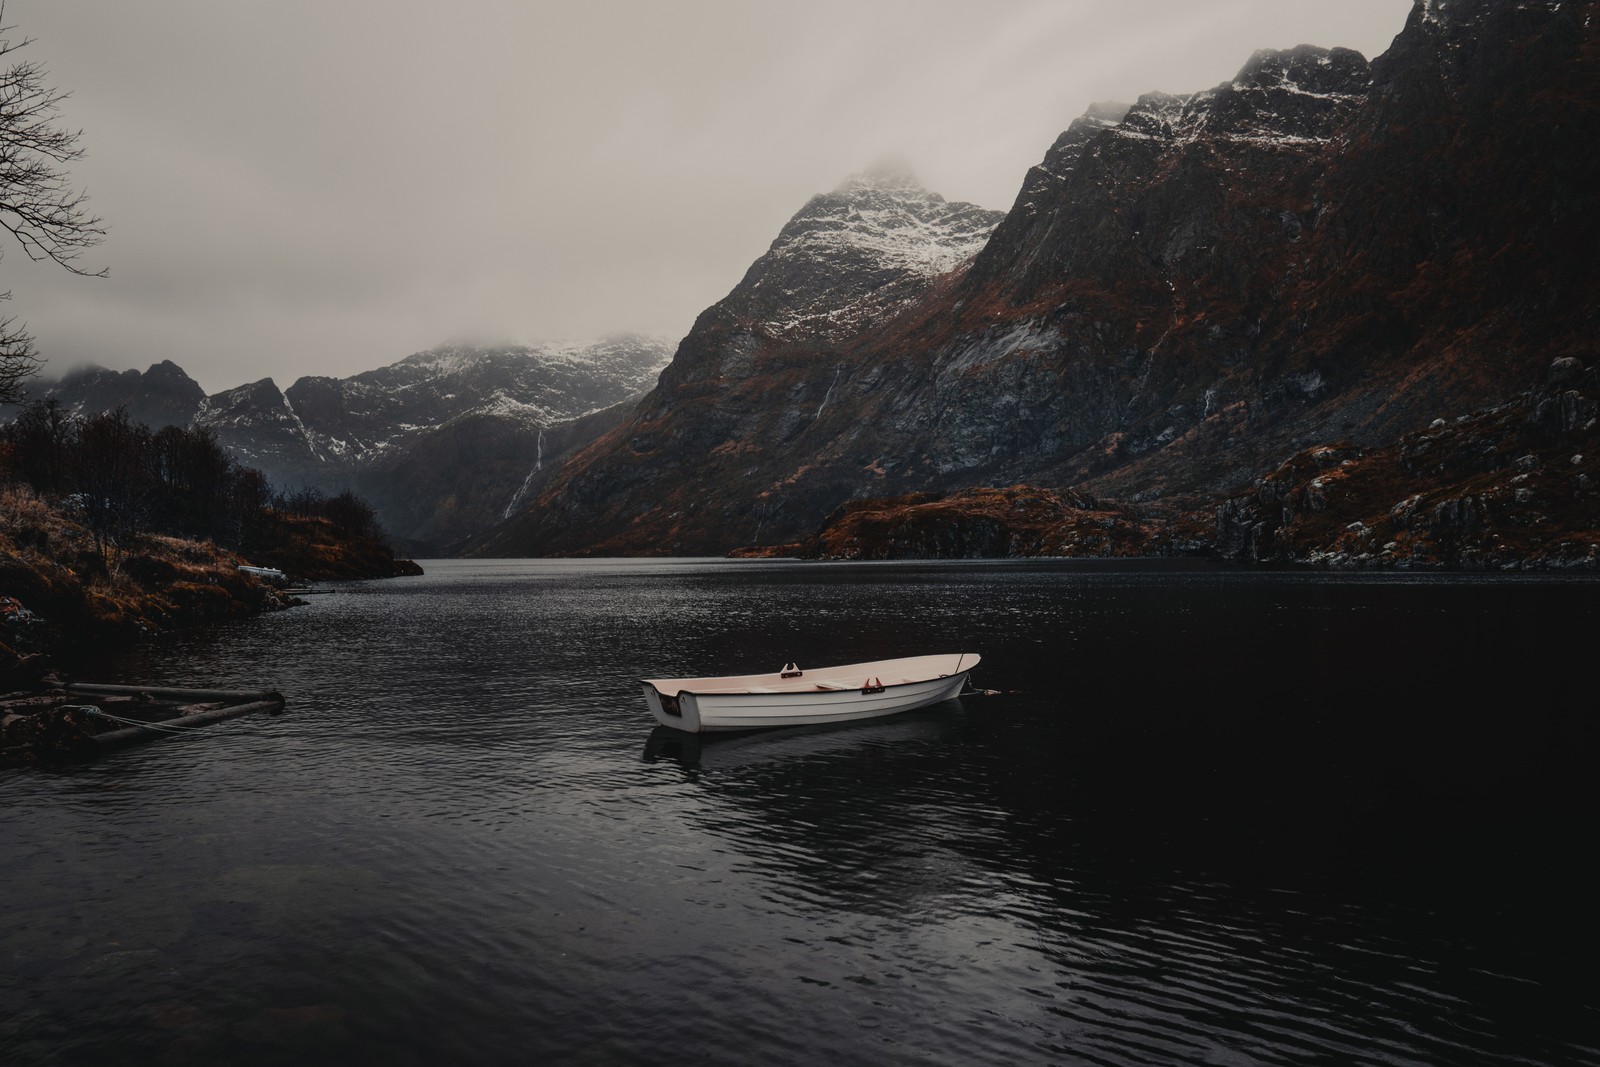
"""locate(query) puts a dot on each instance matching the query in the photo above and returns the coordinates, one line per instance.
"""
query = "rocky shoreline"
(59, 597)
(1512, 487)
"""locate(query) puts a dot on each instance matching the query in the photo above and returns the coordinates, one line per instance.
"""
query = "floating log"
(88, 717)
(130, 734)
(193, 696)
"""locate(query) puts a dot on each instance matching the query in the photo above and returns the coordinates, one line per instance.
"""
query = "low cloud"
(314, 188)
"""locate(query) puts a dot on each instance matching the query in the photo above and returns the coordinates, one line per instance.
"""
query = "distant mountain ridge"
(381, 431)
(362, 415)
(160, 396)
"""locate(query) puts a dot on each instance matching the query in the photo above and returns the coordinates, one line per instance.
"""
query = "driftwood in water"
(129, 734)
(85, 717)
(160, 693)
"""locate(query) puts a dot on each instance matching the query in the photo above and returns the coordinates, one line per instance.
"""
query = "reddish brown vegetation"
(59, 593)
(1020, 520)
(55, 588)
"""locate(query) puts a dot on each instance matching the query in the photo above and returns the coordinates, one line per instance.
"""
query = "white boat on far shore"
(796, 697)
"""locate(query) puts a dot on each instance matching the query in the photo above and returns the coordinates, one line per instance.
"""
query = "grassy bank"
(61, 592)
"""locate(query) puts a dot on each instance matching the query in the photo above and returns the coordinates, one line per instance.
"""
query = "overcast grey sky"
(325, 186)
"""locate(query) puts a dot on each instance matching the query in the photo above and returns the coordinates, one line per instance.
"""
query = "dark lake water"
(1219, 817)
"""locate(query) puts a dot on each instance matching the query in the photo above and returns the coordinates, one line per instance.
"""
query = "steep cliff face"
(1176, 182)
(1452, 257)
(1121, 302)
(1185, 292)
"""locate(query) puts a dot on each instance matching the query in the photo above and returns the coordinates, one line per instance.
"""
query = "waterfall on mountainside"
(538, 465)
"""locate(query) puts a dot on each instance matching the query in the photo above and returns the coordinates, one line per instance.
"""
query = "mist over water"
(1219, 816)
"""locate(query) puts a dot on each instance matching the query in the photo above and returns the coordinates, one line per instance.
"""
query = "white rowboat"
(795, 697)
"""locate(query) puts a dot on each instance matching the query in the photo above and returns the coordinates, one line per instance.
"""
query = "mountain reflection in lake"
(1219, 817)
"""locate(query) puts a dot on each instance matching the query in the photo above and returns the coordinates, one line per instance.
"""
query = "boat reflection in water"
(725, 751)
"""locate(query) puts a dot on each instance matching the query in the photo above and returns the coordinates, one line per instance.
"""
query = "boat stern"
(678, 711)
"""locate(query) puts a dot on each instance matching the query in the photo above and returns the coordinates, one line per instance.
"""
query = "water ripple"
(462, 842)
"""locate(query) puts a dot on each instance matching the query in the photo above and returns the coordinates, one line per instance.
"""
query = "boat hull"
(707, 712)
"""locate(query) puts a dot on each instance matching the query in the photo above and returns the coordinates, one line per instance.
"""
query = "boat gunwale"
(815, 690)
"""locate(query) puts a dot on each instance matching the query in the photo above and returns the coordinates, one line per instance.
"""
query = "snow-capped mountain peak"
(848, 255)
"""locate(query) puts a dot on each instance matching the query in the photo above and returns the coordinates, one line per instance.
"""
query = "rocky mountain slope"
(1185, 292)
(756, 369)
(442, 442)
(852, 256)
(1512, 486)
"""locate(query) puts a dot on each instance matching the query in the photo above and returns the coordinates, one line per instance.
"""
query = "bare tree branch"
(39, 207)
(18, 360)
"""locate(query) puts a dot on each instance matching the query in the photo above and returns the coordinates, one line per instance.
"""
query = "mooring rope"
(162, 727)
